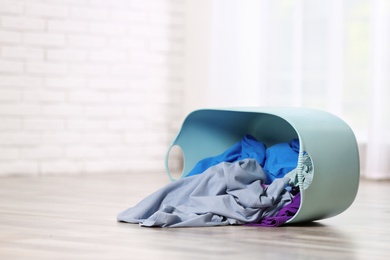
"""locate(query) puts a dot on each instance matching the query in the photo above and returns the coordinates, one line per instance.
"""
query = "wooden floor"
(74, 217)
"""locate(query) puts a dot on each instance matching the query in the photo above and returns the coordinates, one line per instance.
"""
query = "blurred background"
(97, 86)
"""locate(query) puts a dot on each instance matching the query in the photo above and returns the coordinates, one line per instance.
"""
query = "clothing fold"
(224, 194)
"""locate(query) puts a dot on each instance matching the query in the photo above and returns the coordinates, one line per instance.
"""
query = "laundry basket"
(328, 140)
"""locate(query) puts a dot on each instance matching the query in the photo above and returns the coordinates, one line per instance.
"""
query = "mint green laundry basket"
(330, 143)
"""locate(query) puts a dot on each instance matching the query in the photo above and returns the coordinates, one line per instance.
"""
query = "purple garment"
(283, 215)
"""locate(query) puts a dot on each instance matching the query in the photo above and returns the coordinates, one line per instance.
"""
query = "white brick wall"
(89, 86)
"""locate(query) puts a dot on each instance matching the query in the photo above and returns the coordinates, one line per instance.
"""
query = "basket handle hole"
(176, 162)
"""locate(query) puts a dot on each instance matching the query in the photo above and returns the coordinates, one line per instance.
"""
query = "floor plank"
(64, 217)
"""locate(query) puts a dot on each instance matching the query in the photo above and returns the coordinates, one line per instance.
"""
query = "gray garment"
(307, 173)
(227, 193)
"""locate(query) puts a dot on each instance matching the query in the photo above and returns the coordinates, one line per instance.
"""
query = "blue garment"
(225, 194)
(281, 159)
(248, 147)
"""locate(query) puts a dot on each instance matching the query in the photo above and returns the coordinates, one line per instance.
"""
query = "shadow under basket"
(327, 140)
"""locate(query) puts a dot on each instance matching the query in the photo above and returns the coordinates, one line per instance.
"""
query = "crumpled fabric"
(225, 194)
(285, 214)
(277, 160)
(247, 147)
(281, 159)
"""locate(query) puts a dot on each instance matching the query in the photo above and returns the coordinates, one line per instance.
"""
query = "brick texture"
(89, 86)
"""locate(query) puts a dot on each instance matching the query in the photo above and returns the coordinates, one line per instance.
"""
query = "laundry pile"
(248, 184)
